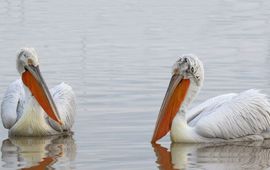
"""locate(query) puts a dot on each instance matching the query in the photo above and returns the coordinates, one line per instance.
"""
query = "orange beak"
(174, 97)
(33, 80)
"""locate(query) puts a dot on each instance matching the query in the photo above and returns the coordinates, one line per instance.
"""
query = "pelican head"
(188, 70)
(28, 67)
(25, 58)
(189, 67)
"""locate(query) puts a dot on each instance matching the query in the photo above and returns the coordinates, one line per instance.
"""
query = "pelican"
(29, 108)
(230, 117)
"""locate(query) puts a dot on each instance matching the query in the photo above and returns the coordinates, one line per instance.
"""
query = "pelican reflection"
(251, 155)
(38, 152)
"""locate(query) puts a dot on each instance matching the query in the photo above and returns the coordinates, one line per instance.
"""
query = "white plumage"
(22, 108)
(64, 99)
(12, 104)
(20, 123)
(230, 117)
(235, 116)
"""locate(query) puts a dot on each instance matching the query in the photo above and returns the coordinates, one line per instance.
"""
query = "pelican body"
(229, 117)
(29, 108)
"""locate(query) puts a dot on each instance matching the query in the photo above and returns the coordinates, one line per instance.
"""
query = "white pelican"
(29, 108)
(229, 117)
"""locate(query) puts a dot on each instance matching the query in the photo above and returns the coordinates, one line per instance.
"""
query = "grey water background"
(117, 56)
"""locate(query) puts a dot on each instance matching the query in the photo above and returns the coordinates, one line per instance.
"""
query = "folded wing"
(247, 113)
(12, 104)
(64, 99)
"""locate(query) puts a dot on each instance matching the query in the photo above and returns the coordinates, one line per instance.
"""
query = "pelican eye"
(30, 62)
(192, 69)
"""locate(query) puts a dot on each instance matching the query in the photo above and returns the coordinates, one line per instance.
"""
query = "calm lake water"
(117, 55)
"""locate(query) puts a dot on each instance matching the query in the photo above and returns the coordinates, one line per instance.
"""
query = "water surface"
(117, 55)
